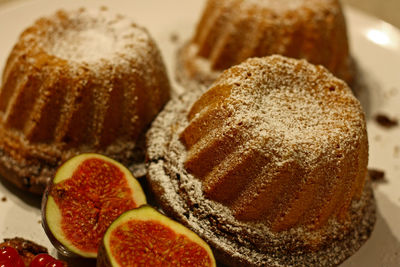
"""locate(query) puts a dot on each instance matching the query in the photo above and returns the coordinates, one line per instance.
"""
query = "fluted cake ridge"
(85, 80)
(271, 132)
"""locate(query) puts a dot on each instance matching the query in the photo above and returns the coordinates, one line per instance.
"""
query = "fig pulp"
(145, 237)
(87, 194)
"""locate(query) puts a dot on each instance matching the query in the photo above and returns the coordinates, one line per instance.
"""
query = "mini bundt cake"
(269, 165)
(77, 81)
(230, 31)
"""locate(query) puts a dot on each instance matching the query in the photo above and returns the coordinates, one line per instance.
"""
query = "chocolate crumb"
(4, 199)
(385, 121)
(377, 175)
(174, 37)
(378, 138)
(393, 92)
(396, 152)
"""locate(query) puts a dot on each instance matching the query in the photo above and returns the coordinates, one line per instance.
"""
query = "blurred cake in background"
(230, 31)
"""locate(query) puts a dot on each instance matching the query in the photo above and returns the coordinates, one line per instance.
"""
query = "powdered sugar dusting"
(291, 113)
(181, 194)
(91, 37)
(86, 45)
(101, 78)
(283, 6)
(231, 31)
(296, 116)
(280, 5)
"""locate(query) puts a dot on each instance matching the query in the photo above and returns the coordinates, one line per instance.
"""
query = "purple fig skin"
(57, 244)
(147, 213)
(102, 259)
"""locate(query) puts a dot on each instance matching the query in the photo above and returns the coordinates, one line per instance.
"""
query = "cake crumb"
(396, 152)
(393, 92)
(385, 121)
(174, 37)
(378, 138)
(377, 175)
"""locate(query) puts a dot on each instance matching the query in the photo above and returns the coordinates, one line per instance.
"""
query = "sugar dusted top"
(294, 107)
(272, 132)
(282, 6)
(75, 81)
(90, 36)
(278, 5)
(310, 130)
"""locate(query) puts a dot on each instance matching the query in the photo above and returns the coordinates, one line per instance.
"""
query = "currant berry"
(19, 262)
(8, 253)
(41, 260)
(10, 257)
(6, 264)
(55, 263)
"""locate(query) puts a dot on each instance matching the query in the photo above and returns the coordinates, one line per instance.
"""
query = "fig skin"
(147, 213)
(51, 214)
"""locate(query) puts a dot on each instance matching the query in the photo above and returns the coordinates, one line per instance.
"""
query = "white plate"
(375, 46)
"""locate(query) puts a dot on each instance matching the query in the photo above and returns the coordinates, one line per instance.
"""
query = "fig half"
(87, 194)
(145, 237)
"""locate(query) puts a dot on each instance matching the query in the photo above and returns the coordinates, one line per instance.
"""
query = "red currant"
(41, 260)
(6, 264)
(8, 253)
(55, 263)
(19, 262)
(10, 257)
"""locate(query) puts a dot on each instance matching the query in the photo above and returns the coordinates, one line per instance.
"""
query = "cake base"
(34, 174)
(237, 243)
(78, 81)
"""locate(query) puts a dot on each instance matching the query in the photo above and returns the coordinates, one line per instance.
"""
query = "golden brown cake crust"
(256, 243)
(229, 31)
(77, 81)
(287, 127)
